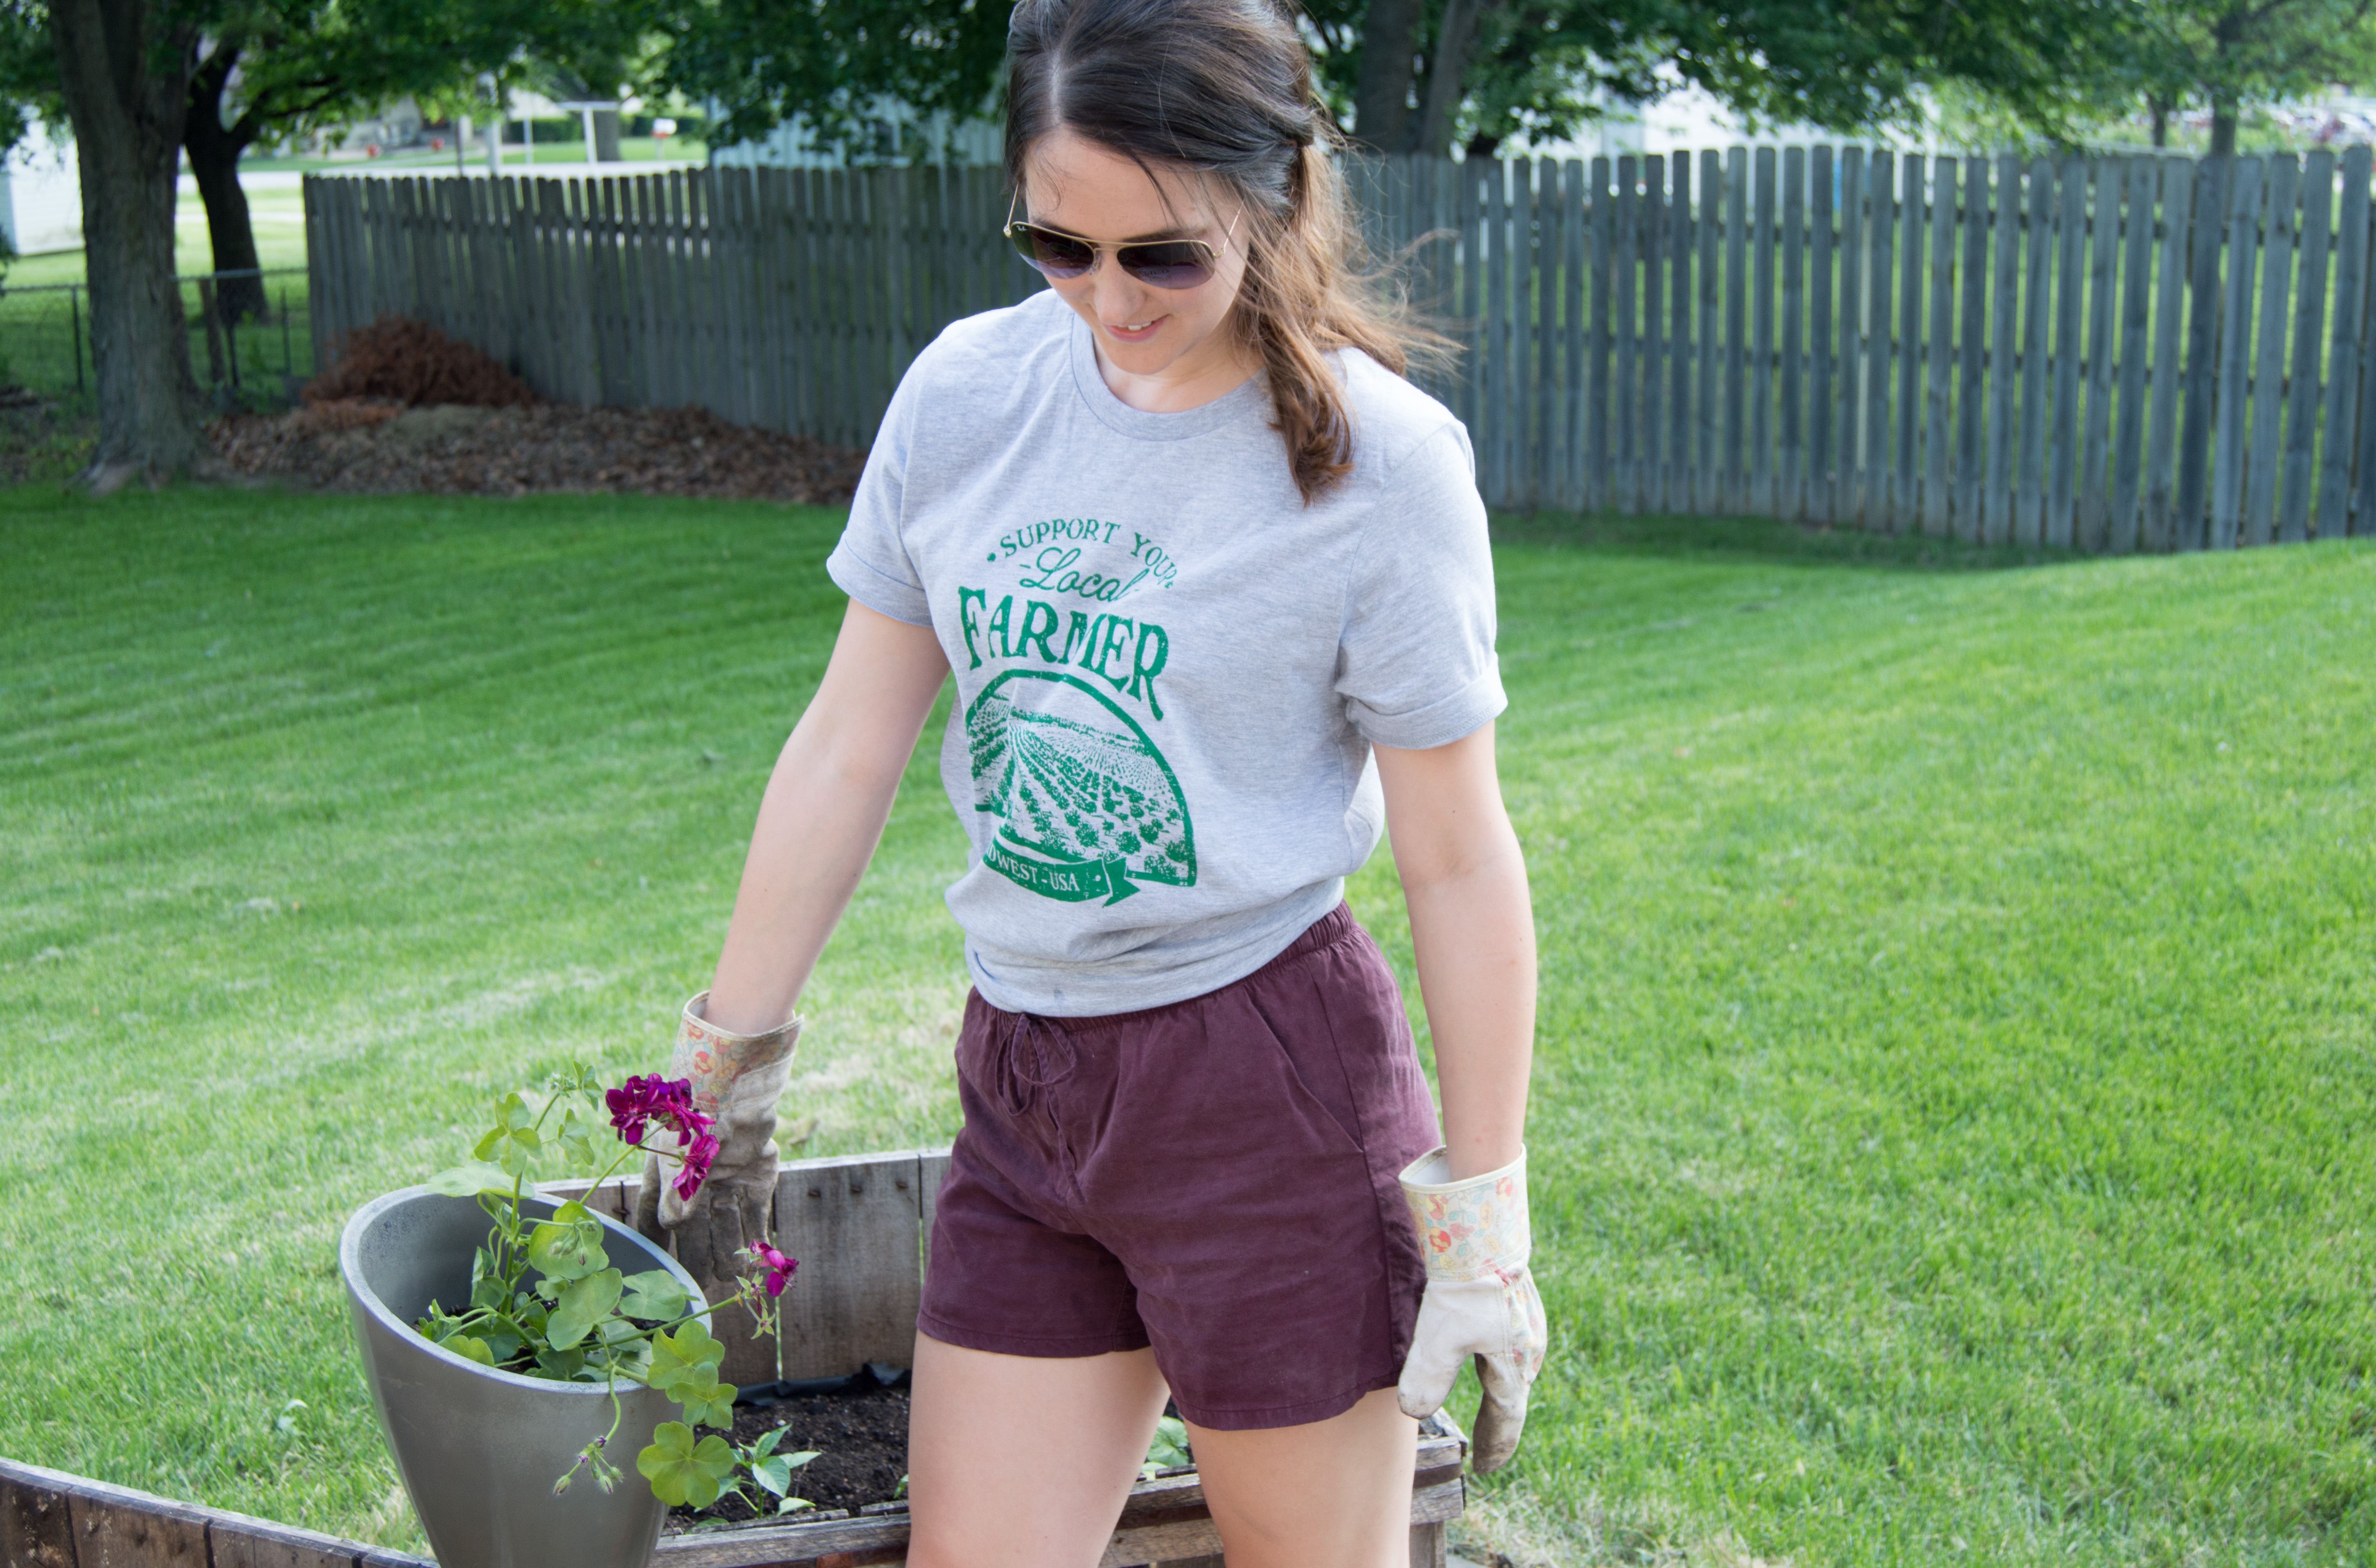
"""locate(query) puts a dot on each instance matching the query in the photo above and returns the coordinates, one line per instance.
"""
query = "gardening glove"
(1481, 1302)
(737, 1079)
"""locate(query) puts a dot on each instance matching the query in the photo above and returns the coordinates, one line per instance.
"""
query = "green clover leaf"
(582, 1303)
(705, 1405)
(476, 1350)
(655, 1296)
(689, 1355)
(569, 1245)
(684, 1472)
(469, 1181)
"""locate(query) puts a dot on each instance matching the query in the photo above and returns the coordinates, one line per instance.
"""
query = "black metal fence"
(45, 337)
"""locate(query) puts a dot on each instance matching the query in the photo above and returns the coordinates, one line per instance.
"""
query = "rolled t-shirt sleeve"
(872, 564)
(1415, 664)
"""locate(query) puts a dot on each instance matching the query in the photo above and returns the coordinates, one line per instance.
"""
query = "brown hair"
(1223, 88)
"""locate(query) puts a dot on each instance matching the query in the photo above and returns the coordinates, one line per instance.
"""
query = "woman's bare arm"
(1473, 932)
(823, 814)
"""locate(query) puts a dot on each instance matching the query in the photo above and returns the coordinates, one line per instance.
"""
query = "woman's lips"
(1135, 332)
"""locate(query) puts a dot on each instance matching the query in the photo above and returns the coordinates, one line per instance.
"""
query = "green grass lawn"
(1951, 1132)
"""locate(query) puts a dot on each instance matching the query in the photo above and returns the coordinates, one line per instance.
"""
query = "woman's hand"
(823, 814)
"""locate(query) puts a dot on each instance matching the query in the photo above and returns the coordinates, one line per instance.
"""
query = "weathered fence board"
(2108, 353)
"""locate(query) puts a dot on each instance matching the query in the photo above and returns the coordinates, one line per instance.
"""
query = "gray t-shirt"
(1170, 670)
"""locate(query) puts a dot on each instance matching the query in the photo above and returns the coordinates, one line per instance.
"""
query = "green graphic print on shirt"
(1086, 801)
(1088, 808)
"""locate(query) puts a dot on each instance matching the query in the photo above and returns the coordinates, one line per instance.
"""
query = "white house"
(41, 194)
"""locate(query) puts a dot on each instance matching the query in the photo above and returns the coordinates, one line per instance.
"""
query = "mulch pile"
(398, 359)
(410, 410)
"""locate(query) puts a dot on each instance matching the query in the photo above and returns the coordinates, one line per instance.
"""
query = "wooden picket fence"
(2099, 354)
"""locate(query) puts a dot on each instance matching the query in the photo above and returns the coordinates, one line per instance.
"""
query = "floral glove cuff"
(1468, 1230)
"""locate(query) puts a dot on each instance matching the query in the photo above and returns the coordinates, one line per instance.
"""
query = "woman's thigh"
(1328, 1495)
(1025, 1461)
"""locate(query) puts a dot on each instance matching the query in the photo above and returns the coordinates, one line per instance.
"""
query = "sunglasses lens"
(1171, 265)
(1058, 255)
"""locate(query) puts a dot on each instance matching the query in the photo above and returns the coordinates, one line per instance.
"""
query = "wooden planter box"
(858, 1223)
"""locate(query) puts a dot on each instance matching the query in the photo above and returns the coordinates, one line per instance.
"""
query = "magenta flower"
(780, 1267)
(693, 1166)
(655, 1098)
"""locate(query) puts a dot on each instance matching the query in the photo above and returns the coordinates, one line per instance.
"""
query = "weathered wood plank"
(115, 1531)
(2092, 524)
(1469, 190)
(1907, 352)
(2178, 184)
(2029, 505)
(1971, 395)
(2283, 180)
(2309, 324)
(1600, 465)
(863, 1212)
(1790, 502)
(1655, 463)
(2063, 431)
(2365, 448)
(2343, 351)
(1940, 353)
(1847, 478)
(1539, 305)
(36, 1523)
(2004, 372)
(234, 1541)
(2235, 352)
(1681, 357)
(1880, 296)
(1735, 491)
(1625, 307)
(1706, 451)
(1761, 498)
(1822, 352)
(1577, 486)
(2136, 308)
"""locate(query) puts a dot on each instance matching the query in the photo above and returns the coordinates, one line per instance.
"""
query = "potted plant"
(513, 1344)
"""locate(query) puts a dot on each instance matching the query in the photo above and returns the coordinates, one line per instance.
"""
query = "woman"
(1213, 584)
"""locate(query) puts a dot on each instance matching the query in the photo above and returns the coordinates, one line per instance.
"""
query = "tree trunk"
(2159, 109)
(125, 82)
(1447, 71)
(606, 135)
(2223, 127)
(1382, 116)
(214, 152)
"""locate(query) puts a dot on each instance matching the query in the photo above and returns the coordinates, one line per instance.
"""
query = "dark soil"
(363, 446)
(862, 1443)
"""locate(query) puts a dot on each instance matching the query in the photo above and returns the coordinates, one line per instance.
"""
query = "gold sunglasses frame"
(1098, 249)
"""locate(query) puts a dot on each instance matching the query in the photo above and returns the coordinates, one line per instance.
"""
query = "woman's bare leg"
(1333, 1494)
(1024, 1461)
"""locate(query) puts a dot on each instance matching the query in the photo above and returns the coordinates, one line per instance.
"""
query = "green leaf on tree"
(682, 1472)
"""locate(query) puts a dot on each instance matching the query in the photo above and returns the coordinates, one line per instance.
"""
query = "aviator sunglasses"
(1159, 264)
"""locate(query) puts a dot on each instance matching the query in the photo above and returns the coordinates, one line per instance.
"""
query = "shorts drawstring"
(1047, 1069)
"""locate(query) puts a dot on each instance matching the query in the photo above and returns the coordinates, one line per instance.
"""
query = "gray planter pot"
(480, 1449)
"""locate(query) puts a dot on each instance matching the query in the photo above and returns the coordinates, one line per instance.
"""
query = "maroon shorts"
(1216, 1178)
